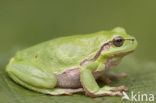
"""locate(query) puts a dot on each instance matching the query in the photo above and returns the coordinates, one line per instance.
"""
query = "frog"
(72, 64)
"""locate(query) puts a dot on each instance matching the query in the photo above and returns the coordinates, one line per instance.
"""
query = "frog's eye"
(118, 41)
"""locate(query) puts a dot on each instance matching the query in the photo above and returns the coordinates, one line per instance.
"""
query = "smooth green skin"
(34, 67)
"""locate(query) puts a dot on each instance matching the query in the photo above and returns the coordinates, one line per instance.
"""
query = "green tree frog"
(72, 64)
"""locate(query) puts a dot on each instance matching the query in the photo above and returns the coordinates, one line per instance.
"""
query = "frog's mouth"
(106, 46)
(123, 53)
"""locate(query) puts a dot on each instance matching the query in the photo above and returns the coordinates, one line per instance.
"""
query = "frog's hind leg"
(31, 74)
(52, 91)
(34, 78)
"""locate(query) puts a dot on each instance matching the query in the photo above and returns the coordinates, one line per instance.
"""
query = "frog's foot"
(108, 91)
(108, 78)
(60, 91)
(64, 91)
(105, 94)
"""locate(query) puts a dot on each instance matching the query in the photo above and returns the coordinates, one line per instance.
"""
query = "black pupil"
(119, 40)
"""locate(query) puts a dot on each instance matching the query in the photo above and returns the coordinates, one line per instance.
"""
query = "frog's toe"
(119, 88)
(115, 94)
(107, 93)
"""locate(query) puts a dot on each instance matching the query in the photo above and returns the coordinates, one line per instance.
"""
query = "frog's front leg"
(90, 86)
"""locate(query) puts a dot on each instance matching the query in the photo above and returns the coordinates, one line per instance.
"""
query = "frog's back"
(62, 53)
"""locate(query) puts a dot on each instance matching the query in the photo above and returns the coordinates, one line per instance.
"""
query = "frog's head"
(119, 44)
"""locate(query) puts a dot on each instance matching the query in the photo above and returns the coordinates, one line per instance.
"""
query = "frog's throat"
(105, 46)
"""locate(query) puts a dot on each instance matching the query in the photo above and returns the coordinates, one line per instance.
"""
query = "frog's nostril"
(132, 39)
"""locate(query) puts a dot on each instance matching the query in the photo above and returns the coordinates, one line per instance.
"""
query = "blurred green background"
(27, 22)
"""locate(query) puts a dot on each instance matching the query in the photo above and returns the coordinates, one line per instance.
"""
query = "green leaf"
(142, 72)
